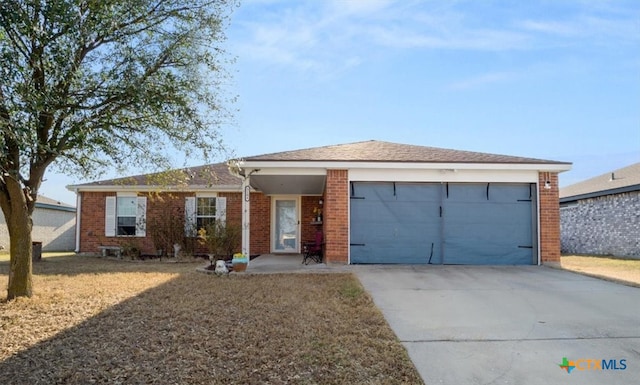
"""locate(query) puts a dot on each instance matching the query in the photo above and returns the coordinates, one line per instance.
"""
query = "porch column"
(246, 205)
(336, 216)
(549, 208)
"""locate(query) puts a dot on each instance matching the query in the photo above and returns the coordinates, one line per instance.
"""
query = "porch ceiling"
(289, 184)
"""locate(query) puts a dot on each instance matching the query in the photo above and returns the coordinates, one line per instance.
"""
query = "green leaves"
(85, 82)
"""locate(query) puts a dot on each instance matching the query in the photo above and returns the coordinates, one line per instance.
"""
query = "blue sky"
(555, 80)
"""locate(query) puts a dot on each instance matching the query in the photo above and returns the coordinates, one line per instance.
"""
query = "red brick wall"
(91, 228)
(260, 224)
(159, 206)
(549, 218)
(308, 228)
(336, 216)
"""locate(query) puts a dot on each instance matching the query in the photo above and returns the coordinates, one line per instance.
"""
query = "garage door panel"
(487, 224)
(388, 226)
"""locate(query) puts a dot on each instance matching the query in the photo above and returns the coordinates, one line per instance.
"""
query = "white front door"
(285, 236)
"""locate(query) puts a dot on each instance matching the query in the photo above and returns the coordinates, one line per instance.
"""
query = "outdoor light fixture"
(320, 202)
(547, 183)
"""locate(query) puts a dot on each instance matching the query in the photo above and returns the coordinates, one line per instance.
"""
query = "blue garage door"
(442, 223)
(395, 223)
(488, 224)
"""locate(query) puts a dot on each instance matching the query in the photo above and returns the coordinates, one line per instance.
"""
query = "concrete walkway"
(289, 263)
(509, 325)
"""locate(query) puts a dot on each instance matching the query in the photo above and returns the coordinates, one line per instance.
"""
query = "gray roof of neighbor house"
(208, 175)
(48, 203)
(614, 182)
(379, 151)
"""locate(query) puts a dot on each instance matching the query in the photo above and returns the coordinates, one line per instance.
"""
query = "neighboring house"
(601, 215)
(53, 224)
(376, 202)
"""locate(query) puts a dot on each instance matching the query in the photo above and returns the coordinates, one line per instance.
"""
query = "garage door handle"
(525, 247)
(356, 244)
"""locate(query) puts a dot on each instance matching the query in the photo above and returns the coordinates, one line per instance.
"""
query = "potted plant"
(239, 262)
(317, 212)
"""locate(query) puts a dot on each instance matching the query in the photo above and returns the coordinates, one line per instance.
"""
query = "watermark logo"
(584, 364)
(567, 365)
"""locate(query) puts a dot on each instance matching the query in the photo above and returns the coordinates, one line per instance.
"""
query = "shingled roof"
(367, 151)
(614, 182)
(208, 175)
(48, 203)
(379, 151)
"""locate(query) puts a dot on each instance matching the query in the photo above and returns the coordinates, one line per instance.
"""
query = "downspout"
(78, 211)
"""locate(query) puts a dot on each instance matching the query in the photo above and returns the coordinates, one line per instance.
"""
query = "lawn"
(94, 320)
(616, 269)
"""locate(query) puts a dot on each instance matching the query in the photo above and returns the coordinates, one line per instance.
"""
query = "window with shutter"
(201, 212)
(125, 216)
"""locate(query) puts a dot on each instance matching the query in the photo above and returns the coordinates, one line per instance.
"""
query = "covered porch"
(295, 210)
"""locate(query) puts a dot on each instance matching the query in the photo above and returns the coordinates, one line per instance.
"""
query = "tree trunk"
(17, 205)
(19, 225)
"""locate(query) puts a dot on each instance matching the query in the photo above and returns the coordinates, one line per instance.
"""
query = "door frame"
(272, 235)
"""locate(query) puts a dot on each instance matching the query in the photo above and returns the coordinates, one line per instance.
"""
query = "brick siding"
(336, 216)
(606, 225)
(260, 224)
(309, 226)
(160, 206)
(549, 218)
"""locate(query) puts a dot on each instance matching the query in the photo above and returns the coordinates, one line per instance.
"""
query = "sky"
(557, 80)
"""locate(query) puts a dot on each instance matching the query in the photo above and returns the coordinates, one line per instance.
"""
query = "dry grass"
(617, 269)
(95, 320)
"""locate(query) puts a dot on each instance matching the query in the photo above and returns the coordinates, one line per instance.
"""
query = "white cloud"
(550, 27)
(329, 37)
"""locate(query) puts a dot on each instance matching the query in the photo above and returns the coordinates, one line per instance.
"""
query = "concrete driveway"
(509, 325)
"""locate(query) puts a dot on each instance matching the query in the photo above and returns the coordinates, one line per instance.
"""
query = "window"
(205, 212)
(125, 215)
(201, 211)
(126, 209)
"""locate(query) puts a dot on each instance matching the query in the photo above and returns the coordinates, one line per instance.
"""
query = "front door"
(285, 237)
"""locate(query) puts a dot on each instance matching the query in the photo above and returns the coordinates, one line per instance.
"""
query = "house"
(601, 215)
(374, 201)
(53, 225)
